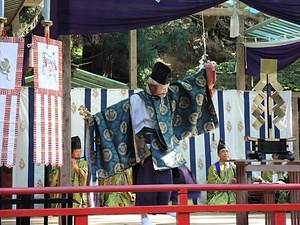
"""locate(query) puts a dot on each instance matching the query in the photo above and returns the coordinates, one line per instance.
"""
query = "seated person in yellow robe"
(79, 173)
(221, 172)
(277, 177)
(117, 198)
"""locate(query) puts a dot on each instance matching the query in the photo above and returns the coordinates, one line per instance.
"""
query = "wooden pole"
(240, 57)
(295, 122)
(65, 171)
(133, 59)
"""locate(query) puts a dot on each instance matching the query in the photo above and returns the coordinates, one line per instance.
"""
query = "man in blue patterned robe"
(145, 130)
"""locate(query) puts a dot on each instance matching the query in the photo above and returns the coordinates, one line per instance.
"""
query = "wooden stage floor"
(161, 219)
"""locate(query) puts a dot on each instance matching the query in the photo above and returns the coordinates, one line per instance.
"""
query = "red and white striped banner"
(11, 63)
(48, 101)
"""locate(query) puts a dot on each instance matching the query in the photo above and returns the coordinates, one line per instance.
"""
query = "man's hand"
(210, 76)
(73, 161)
(74, 165)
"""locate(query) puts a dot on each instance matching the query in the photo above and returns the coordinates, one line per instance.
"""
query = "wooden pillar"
(241, 196)
(133, 59)
(240, 58)
(295, 122)
(269, 199)
(65, 170)
(294, 177)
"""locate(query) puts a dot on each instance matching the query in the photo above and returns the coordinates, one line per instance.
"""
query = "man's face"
(159, 90)
(76, 153)
(224, 154)
(276, 157)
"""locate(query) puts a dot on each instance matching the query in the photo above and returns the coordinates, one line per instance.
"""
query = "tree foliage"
(179, 43)
(289, 77)
(27, 14)
(226, 77)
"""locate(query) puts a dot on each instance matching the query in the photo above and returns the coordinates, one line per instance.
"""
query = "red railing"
(183, 209)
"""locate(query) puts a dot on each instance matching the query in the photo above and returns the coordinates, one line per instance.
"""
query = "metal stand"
(3, 20)
(270, 145)
(47, 24)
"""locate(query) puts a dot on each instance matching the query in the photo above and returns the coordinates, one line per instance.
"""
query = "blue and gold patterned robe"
(186, 111)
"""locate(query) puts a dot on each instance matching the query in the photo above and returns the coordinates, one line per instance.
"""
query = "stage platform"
(160, 219)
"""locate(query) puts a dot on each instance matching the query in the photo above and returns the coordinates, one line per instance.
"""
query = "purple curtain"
(285, 55)
(105, 16)
(288, 10)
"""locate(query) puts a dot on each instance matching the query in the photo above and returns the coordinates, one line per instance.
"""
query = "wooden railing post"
(279, 218)
(241, 196)
(81, 220)
(183, 218)
(269, 199)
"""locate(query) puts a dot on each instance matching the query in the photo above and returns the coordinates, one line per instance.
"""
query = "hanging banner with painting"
(11, 62)
(48, 101)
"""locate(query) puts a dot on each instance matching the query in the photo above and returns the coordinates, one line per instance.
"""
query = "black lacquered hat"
(222, 145)
(75, 143)
(161, 73)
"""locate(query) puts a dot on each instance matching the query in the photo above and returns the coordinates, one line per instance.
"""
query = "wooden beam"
(240, 58)
(32, 3)
(227, 11)
(216, 12)
(65, 170)
(133, 59)
(295, 122)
